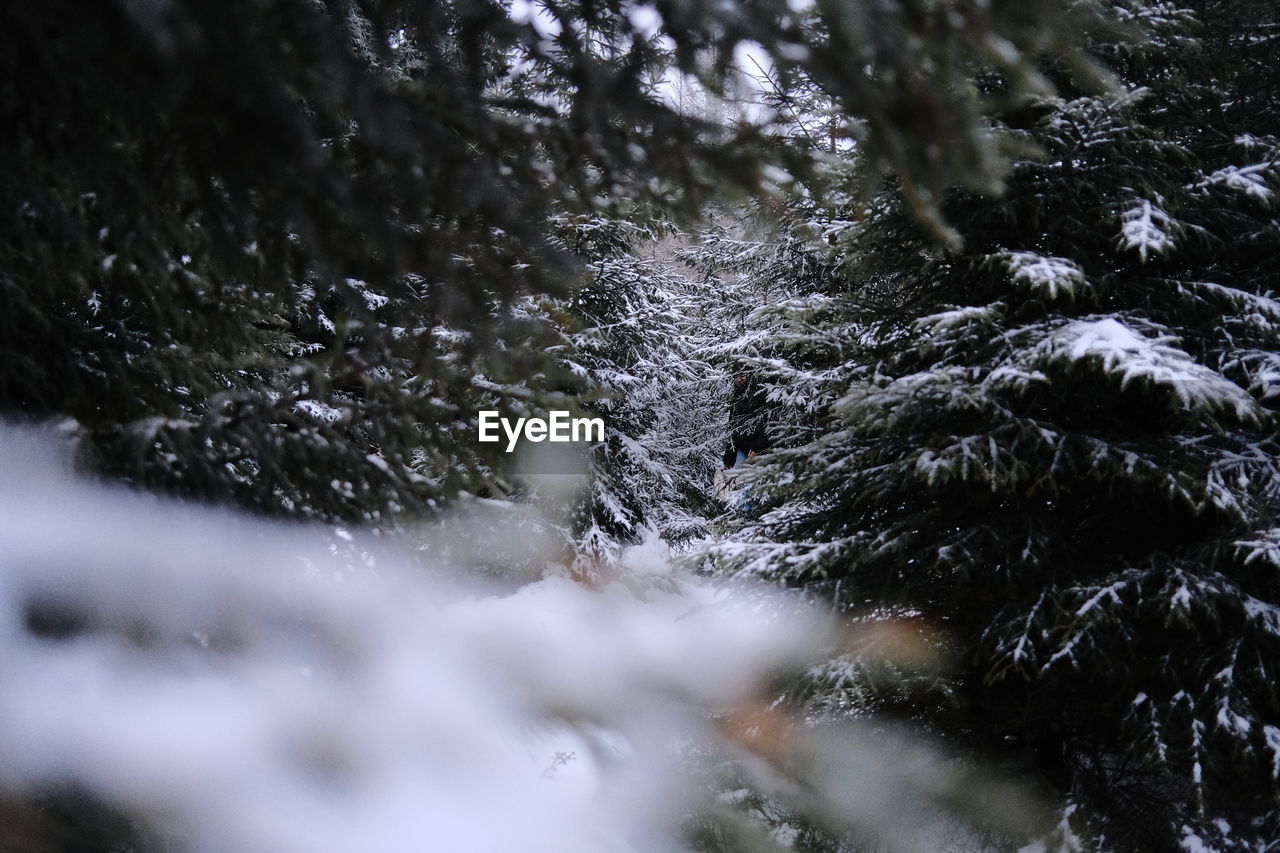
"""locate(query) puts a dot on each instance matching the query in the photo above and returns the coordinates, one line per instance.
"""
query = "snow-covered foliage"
(1048, 277)
(1054, 449)
(635, 339)
(1253, 181)
(1147, 230)
(763, 300)
(236, 687)
(226, 684)
(1014, 412)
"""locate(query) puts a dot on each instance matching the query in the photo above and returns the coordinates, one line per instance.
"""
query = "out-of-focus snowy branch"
(196, 670)
(234, 685)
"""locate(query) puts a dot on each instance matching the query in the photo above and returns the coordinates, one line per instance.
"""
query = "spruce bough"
(1055, 447)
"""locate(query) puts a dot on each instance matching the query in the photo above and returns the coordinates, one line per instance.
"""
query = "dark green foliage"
(267, 252)
(195, 200)
(278, 254)
(1055, 448)
(643, 354)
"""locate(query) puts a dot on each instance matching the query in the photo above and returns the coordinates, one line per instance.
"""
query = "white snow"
(318, 411)
(1063, 838)
(1193, 843)
(223, 689)
(1272, 735)
(1133, 357)
(652, 557)
(1111, 591)
(1049, 276)
(1251, 180)
(1146, 229)
(371, 300)
(959, 318)
(645, 19)
(1229, 719)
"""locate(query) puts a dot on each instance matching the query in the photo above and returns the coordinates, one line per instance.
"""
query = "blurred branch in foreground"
(229, 685)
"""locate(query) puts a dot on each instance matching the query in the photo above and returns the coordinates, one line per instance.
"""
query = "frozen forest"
(934, 347)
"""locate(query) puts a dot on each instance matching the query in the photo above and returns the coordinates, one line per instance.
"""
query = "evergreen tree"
(635, 338)
(266, 252)
(767, 287)
(1051, 453)
(280, 253)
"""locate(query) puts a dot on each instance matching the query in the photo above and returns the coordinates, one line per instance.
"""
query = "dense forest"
(937, 352)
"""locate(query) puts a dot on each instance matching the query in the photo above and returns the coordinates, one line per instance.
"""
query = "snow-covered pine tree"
(197, 193)
(1053, 450)
(766, 286)
(632, 337)
(249, 256)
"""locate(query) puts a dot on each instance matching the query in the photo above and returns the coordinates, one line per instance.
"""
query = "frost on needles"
(1054, 448)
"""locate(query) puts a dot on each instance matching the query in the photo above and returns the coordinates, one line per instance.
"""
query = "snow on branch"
(960, 320)
(237, 686)
(1252, 180)
(1264, 546)
(1047, 276)
(1146, 229)
(1125, 353)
